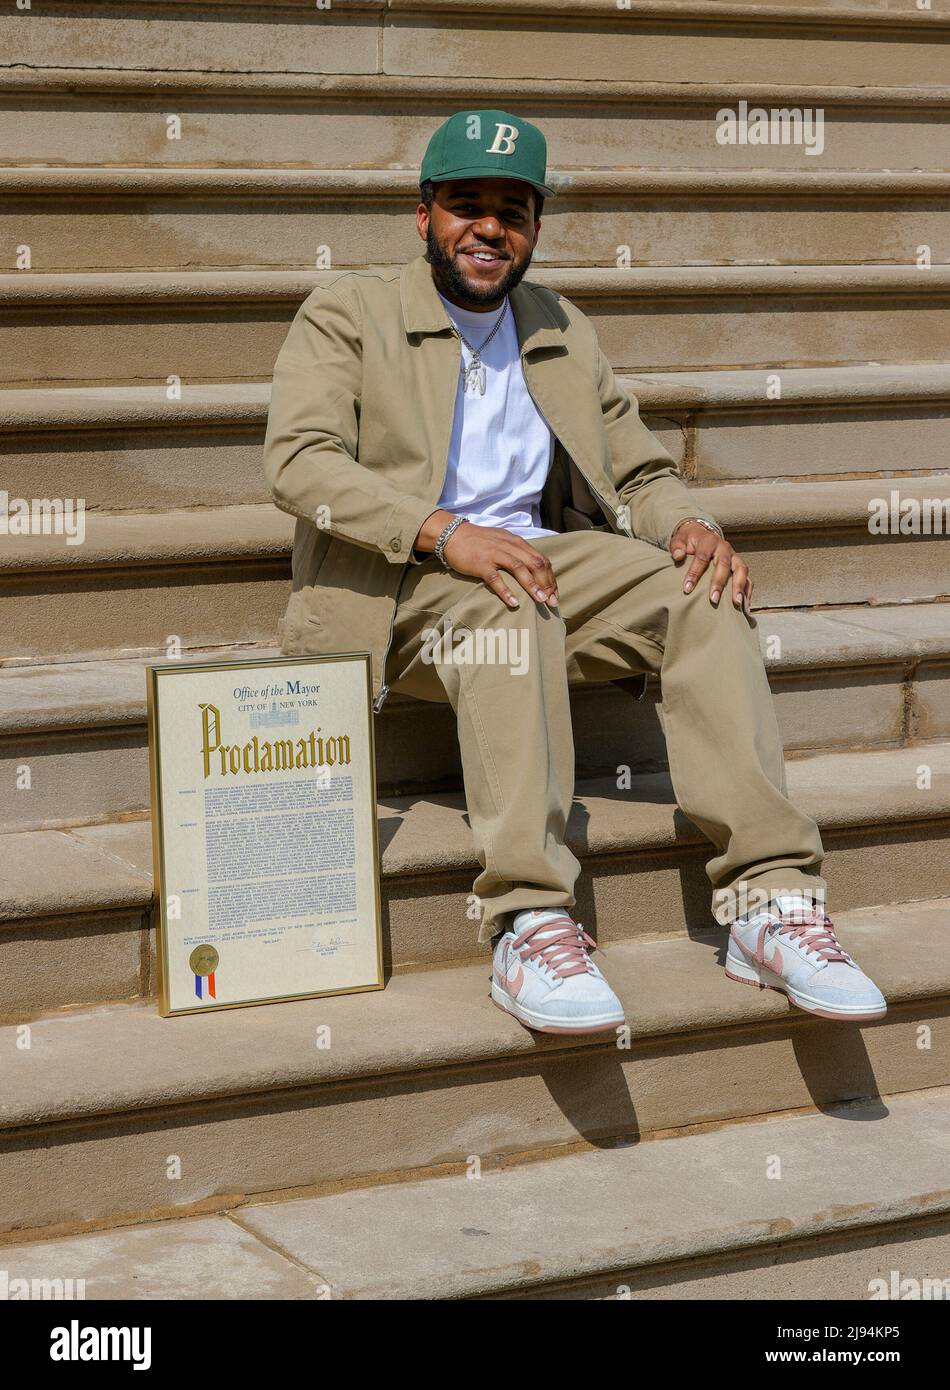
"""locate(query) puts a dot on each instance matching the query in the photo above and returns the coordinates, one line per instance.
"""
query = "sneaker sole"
(504, 1001)
(761, 978)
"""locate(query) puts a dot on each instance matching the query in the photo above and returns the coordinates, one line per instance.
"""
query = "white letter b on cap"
(504, 141)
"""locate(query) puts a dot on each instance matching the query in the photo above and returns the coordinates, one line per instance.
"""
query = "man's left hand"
(707, 548)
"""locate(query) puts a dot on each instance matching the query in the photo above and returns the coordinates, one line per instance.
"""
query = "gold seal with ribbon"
(203, 962)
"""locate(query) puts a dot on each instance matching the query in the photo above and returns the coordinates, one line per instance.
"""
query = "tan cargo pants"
(506, 672)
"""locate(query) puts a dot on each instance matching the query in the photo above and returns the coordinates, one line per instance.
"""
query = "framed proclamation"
(263, 787)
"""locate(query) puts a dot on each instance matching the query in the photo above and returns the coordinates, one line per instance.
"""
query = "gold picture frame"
(257, 794)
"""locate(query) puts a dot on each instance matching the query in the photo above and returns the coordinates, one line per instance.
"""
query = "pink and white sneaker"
(543, 976)
(791, 946)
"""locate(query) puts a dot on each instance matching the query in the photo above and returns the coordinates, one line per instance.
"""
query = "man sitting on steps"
(462, 462)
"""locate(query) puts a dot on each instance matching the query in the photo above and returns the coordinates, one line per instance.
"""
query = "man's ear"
(422, 221)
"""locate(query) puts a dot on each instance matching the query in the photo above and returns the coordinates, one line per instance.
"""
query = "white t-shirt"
(501, 448)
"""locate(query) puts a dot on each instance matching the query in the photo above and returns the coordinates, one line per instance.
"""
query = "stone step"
(219, 576)
(810, 543)
(250, 1103)
(143, 581)
(113, 219)
(579, 39)
(75, 901)
(841, 678)
(186, 34)
(127, 448)
(687, 1218)
(131, 448)
(701, 42)
(826, 422)
(201, 326)
(738, 1234)
(109, 116)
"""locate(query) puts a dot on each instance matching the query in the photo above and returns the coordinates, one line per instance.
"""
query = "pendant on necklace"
(475, 378)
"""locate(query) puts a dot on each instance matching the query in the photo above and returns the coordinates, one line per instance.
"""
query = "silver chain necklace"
(474, 375)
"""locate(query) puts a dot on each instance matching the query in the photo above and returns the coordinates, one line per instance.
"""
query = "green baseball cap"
(486, 145)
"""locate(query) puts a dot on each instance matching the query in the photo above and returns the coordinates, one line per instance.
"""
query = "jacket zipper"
(384, 688)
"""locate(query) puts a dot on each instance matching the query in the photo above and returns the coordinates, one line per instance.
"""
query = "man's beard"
(449, 280)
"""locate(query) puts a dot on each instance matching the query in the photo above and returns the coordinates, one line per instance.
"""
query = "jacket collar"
(423, 311)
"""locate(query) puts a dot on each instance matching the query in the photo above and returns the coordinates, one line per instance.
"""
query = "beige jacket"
(358, 437)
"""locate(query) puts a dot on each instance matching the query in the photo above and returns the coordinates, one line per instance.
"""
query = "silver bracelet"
(444, 535)
(709, 525)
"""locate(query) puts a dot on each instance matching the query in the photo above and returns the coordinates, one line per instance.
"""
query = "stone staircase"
(155, 259)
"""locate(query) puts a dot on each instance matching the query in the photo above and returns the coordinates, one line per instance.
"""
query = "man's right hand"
(490, 553)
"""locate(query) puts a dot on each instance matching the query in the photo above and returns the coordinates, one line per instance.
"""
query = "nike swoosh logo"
(511, 985)
(775, 961)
